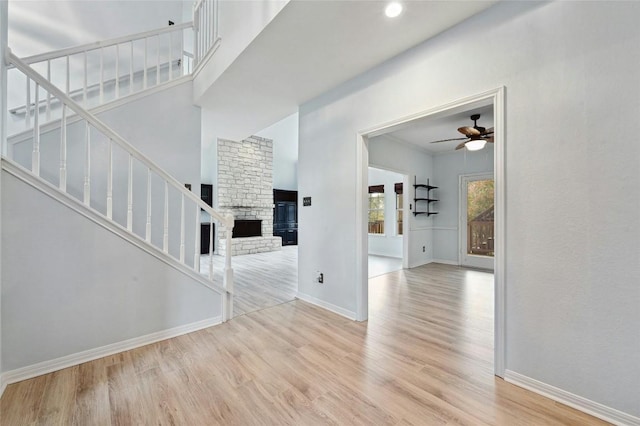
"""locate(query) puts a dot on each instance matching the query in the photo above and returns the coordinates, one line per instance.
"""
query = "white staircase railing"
(205, 29)
(104, 71)
(98, 138)
(96, 73)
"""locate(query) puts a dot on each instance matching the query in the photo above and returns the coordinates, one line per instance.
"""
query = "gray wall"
(69, 285)
(572, 180)
(284, 135)
(166, 127)
(3, 107)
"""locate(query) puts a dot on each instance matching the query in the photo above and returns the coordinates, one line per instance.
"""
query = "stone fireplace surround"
(245, 188)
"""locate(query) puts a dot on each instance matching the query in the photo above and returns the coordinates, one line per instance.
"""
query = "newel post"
(227, 304)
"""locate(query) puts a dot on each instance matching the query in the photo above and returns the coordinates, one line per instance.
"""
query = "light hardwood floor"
(261, 280)
(423, 358)
(380, 265)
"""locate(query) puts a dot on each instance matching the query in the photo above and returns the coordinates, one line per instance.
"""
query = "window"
(480, 206)
(376, 209)
(398, 190)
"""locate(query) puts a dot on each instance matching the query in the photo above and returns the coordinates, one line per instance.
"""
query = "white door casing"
(497, 98)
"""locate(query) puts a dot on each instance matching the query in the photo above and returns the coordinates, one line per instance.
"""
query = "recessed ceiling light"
(393, 9)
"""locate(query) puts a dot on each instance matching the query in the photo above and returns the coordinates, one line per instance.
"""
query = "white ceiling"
(425, 130)
(313, 46)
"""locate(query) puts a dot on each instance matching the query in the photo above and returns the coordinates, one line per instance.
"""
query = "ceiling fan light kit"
(475, 144)
(477, 137)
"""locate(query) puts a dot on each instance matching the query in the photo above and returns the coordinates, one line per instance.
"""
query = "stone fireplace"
(245, 188)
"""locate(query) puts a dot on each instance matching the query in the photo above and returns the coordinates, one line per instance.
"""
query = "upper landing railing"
(95, 73)
(205, 29)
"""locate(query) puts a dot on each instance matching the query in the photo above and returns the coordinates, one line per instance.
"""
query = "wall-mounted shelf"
(420, 186)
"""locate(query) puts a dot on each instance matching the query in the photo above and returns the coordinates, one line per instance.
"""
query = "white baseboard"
(3, 386)
(426, 262)
(419, 263)
(46, 367)
(326, 305)
(445, 262)
(595, 409)
(384, 255)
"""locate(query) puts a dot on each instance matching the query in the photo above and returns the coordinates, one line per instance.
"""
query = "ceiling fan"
(476, 136)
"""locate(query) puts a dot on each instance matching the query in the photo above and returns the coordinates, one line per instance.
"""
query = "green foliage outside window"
(479, 198)
(376, 213)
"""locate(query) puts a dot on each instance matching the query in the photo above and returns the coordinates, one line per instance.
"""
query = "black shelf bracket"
(428, 198)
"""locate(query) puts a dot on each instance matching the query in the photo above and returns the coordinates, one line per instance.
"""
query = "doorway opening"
(494, 100)
(387, 239)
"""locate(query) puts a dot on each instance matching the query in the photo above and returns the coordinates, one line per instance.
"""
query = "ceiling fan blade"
(489, 139)
(489, 131)
(461, 145)
(447, 140)
(469, 131)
